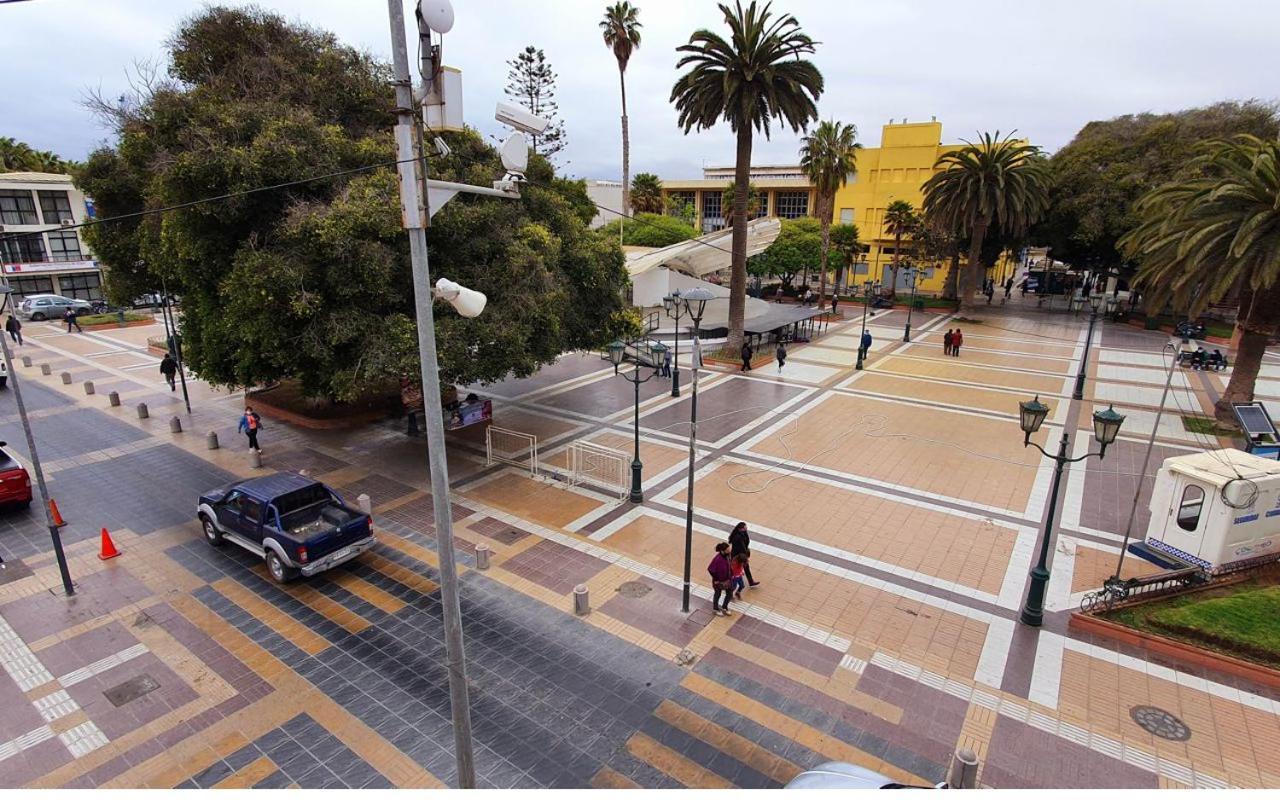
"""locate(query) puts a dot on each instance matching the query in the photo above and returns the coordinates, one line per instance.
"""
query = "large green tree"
(900, 220)
(646, 193)
(1100, 174)
(18, 156)
(1000, 182)
(311, 281)
(755, 76)
(829, 157)
(1213, 234)
(797, 248)
(649, 230)
(845, 240)
(621, 31)
(531, 82)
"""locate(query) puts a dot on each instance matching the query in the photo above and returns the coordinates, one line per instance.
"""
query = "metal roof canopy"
(780, 318)
(708, 253)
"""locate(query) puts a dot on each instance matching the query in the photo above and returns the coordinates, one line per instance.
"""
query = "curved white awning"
(708, 253)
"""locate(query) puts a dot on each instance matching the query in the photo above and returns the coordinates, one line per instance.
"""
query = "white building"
(607, 195)
(39, 254)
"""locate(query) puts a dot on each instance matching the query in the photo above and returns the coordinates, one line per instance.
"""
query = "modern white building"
(607, 195)
(39, 252)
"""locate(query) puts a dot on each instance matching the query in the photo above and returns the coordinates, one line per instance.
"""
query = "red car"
(15, 483)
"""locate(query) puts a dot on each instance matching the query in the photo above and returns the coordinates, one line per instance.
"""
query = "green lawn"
(1240, 620)
(1206, 425)
(103, 319)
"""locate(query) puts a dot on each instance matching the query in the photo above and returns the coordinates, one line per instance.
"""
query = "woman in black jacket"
(740, 542)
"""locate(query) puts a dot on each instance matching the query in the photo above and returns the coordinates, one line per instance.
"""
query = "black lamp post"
(617, 352)
(868, 286)
(1078, 394)
(1031, 414)
(695, 304)
(913, 276)
(675, 309)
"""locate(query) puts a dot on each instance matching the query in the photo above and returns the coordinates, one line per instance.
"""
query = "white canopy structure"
(706, 254)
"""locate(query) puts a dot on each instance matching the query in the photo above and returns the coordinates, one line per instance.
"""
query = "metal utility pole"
(171, 324)
(412, 199)
(695, 302)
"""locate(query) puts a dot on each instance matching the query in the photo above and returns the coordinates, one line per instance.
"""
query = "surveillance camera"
(515, 154)
(467, 302)
(442, 149)
(520, 119)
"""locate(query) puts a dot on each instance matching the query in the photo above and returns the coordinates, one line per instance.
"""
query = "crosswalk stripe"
(727, 742)
(668, 761)
(280, 622)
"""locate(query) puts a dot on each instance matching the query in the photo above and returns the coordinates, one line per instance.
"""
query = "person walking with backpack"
(70, 319)
(740, 544)
(721, 572)
(781, 355)
(747, 353)
(956, 341)
(865, 344)
(251, 425)
(169, 368)
(948, 338)
(14, 328)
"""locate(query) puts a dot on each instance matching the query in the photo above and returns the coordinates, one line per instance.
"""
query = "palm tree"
(828, 157)
(646, 193)
(753, 202)
(1001, 182)
(900, 219)
(1216, 234)
(756, 76)
(622, 35)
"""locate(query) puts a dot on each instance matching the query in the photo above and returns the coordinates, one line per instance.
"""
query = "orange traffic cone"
(57, 516)
(108, 547)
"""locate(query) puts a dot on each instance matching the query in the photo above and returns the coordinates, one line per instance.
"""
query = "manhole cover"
(131, 690)
(1161, 723)
(634, 589)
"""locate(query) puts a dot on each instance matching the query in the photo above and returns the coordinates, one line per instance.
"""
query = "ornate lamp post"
(913, 276)
(695, 304)
(1078, 394)
(868, 286)
(675, 309)
(1031, 414)
(617, 353)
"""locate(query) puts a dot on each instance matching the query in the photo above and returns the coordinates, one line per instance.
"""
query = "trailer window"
(1189, 508)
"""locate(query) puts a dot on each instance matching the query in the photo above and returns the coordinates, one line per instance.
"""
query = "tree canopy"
(18, 156)
(797, 248)
(531, 82)
(649, 230)
(646, 193)
(312, 281)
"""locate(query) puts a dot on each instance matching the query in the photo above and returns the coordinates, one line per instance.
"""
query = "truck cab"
(296, 525)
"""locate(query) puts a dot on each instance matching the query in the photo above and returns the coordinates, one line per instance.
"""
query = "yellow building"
(896, 170)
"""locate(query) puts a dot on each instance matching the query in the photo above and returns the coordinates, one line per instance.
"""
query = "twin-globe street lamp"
(675, 309)
(1076, 304)
(913, 277)
(695, 304)
(1031, 415)
(868, 286)
(617, 353)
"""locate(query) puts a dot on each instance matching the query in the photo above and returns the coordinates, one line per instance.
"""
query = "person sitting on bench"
(1217, 361)
(1200, 359)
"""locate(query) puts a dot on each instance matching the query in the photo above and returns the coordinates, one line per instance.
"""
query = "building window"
(861, 268)
(793, 205)
(762, 205)
(25, 286)
(846, 216)
(55, 207)
(677, 201)
(64, 246)
(1189, 508)
(16, 208)
(82, 287)
(27, 248)
(712, 218)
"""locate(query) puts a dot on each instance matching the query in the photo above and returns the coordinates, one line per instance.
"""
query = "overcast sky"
(1044, 67)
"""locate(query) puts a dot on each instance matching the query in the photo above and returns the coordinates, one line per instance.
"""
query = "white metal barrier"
(603, 466)
(504, 446)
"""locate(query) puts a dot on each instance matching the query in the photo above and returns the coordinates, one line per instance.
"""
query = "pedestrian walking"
(956, 341)
(747, 353)
(251, 425)
(740, 544)
(1022, 288)
(721, 573)
(865, 344)
(666, 363)
(835, 301)
(14, 328)
(991, 291)
(781, 355)
(70, 319)
(737, 569)
(169, 368)
(1008, 287)
(947, 340)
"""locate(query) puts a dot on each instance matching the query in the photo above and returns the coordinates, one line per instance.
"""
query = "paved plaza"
(894, 515)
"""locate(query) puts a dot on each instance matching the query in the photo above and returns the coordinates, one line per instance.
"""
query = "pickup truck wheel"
(280, 572)
(211, 532)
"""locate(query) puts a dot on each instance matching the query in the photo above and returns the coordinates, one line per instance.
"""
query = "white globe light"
(438, 14)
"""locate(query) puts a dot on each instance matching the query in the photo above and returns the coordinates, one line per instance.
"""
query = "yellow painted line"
(247, 776)
(366, 591)
(280, 622)
(331, 610)
(728, 742)
(608, 779)
(668, 761)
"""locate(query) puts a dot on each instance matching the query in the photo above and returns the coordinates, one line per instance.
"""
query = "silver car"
(37, 307)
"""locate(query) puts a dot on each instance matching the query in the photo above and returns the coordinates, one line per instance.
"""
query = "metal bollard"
(581, 601)
(175, 425)
(26, 361)
(114, 398)
(211, 440)
(365, 504)
(45, 369)
(88, 387)
(142, 411)
(255, 459)
(482, 556)
(964, 770)
(66, 378)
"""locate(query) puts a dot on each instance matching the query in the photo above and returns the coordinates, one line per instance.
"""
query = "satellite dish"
(437, 14)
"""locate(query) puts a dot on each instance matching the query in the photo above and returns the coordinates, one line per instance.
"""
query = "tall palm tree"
(621, 29)
(1216, 234)
(753, 202)
(995, 181)
(900, 219)
(646, 193)
(754, 77)
(828, 157)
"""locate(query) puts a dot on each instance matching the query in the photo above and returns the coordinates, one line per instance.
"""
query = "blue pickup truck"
(297, 525)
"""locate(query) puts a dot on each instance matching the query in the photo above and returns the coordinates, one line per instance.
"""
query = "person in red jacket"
(721, 576)
(957, 339)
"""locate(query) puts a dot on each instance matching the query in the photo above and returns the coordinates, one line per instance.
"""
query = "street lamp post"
(913, 275)
(171, 324)
(1031, 414)
(1078, 394)
(868, 286)
(675, 309)
(695, 303)
(5, 291)
(617, 352)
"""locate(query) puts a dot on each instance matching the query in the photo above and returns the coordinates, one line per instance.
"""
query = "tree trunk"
(827, 204)
(949, 290)
(1259, 320)
(738, 270)
(973, 268)
(626, 147)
